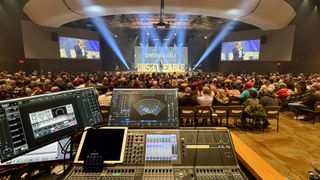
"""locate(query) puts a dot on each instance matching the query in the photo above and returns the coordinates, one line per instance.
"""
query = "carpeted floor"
(291, 150)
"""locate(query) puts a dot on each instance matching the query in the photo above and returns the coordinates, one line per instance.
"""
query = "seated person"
(105, 98)
(309, 103)
(188, 99)
(245, 94)
(283, 92)
(221, 97)
(268, 98)
(206, 99)
(253, 108)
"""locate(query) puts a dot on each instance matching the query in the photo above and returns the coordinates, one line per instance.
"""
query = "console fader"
(172, 155)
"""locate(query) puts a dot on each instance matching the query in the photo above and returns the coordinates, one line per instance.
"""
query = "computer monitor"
(32, 122)
(110, 142)
(144, 108)
(51, 152)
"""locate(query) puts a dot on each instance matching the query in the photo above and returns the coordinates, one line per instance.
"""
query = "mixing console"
(172, 155)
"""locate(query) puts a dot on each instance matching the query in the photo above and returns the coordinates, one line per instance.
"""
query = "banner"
(161, 59)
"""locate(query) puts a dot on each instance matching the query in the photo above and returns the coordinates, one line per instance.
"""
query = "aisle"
(290, 151)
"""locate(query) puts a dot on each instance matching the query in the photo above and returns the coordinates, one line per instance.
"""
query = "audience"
(204, 89)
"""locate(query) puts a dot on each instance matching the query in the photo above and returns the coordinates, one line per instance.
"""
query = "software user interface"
(161, 147)
(33, 122)
(144, 108)
(52, 120)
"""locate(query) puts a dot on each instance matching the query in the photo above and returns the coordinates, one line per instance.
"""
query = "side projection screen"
(79, 48)
(240, 50)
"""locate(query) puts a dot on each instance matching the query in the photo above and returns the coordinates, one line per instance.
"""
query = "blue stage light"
(108, 37)
(216, 41)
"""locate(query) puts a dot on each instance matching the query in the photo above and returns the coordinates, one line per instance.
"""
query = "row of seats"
(204, 115)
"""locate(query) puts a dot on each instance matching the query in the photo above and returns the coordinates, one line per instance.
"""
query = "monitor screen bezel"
(69, 150)
(124, 142)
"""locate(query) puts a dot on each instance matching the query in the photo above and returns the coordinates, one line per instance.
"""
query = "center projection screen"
(148, 59)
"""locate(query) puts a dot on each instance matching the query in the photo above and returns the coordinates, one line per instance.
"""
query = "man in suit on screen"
(238, 51)
(80, 49)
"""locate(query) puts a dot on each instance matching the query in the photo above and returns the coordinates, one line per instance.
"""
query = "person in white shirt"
(206, 99)
(105, 98)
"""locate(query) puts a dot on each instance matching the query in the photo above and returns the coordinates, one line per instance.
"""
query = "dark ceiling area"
(195, 25)
(135, 22)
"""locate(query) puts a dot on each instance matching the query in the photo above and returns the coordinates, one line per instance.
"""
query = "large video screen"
(160, 59)
(240, 50)
(79, 48)
(144, 108)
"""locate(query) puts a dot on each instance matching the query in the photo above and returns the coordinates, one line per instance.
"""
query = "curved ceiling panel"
(259, 13)
(266, 17)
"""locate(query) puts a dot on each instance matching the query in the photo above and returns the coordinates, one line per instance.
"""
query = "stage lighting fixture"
(102, 27)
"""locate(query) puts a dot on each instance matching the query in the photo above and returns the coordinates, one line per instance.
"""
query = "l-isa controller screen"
(240, 50)
(143, 108)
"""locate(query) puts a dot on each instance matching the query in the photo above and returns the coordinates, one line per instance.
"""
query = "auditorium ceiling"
(197, 23)
(259, 13)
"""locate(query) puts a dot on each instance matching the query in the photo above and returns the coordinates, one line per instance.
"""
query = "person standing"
(80, 48)
(238, 51)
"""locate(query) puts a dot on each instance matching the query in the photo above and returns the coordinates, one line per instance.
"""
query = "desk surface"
(257, 166)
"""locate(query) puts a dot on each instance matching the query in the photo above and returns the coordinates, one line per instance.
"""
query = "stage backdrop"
(147, 59)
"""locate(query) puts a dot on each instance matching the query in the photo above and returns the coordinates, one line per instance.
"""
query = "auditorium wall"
(306, 50)
(11, 47)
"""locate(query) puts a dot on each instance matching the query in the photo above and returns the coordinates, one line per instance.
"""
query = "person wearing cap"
(245, 94)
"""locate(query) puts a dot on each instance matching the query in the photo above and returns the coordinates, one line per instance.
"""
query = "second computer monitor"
(144, 108)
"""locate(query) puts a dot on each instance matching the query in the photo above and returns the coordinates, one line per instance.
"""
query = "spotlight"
(115, 36)
(205, 37)
(102, 27)
(225, 30)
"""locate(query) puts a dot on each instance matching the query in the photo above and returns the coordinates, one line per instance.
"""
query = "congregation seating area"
(222, 115)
